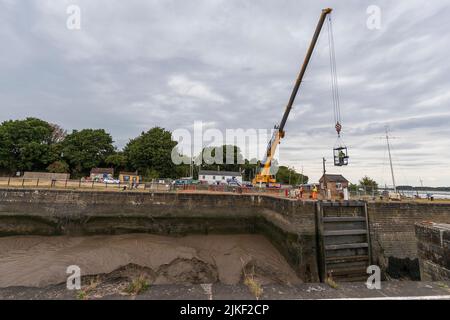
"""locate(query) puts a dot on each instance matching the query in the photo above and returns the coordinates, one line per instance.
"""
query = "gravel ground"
(116, 289)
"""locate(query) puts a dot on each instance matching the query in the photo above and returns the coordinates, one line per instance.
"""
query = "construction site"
(221, 237)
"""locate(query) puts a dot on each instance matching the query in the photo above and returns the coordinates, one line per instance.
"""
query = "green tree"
(288, 175)
(236, 159)
(58, 133)
(150, 154)
(58, 167)
(118, 161)
(250, 168)
(25, 144)
(368, 184)
(86, 149)
(183, 170)
(353, 187)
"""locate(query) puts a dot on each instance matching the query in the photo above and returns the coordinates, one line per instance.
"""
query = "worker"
(341, 156)
(300, 192)
(314, 192)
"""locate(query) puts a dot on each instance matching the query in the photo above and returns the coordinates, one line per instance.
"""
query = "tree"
(25, 144)
(236, 159)
(287, 175)
(353, 187)
(368, 184)
(250, 168)
(117, 160)
(58, 167)
(150, 153)
(58, 133)
(86, 149)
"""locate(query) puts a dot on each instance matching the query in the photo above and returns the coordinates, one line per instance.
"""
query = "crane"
(265, 176)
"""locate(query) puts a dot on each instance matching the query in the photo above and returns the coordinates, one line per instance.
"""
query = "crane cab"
(340, 156)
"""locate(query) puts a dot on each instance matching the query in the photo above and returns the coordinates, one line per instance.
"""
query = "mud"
(39, 261)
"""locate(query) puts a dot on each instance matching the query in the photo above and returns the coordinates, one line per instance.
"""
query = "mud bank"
(290, 225)
(38, 261)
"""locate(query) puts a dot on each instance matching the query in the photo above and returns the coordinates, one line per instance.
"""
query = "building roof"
(102, 170)
(219, 173)
(334, 178)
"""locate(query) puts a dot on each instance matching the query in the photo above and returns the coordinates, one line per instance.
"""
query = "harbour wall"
(289, 224)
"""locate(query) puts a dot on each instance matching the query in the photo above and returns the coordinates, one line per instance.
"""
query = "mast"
(390, 160)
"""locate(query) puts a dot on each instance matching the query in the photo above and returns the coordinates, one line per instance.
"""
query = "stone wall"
(433, 246)
(394, 245)
(290, 225)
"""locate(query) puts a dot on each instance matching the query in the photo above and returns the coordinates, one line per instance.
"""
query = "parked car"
(182, 182)
(111, 181)
(233, 182)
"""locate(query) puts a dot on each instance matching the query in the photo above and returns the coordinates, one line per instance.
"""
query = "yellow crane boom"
(265, 176)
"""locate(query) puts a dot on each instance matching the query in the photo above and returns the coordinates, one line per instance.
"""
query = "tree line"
(33, 144)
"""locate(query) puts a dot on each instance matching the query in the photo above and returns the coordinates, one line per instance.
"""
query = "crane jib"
(269, 151)
(324, 14)
(265, 176)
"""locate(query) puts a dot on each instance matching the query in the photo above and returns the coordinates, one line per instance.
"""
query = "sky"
(133, 65)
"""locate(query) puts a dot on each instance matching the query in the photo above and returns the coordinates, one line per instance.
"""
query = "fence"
(145, 186)
(65, 184)
(168, 187)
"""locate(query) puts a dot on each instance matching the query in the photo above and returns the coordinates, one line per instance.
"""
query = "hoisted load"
(340, 156)
(340, 152)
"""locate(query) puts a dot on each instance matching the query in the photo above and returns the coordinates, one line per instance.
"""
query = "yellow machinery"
(265, 176)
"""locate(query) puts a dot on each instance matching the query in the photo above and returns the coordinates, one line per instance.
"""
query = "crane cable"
(334, 79)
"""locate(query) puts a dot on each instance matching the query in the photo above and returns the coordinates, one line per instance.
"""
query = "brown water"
(40, 261)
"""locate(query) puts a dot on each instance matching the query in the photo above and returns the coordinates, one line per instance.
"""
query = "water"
(423, 194)
(37, 261)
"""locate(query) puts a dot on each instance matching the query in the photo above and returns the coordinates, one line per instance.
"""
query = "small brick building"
(129, 177)
(333, 182)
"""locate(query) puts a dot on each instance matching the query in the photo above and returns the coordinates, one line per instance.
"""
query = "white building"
(219, 177)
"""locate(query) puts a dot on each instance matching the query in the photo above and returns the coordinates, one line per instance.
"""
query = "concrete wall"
(289, 224)
(394, 245)
(433, 245)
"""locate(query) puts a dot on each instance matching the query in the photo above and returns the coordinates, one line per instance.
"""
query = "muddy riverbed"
(36, 261)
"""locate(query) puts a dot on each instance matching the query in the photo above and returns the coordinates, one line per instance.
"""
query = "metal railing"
(65, 184)
(84, 184)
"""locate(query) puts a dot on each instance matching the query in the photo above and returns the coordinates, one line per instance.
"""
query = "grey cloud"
(234, 65)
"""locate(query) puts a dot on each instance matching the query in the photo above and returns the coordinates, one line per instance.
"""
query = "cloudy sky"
(232, 64)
